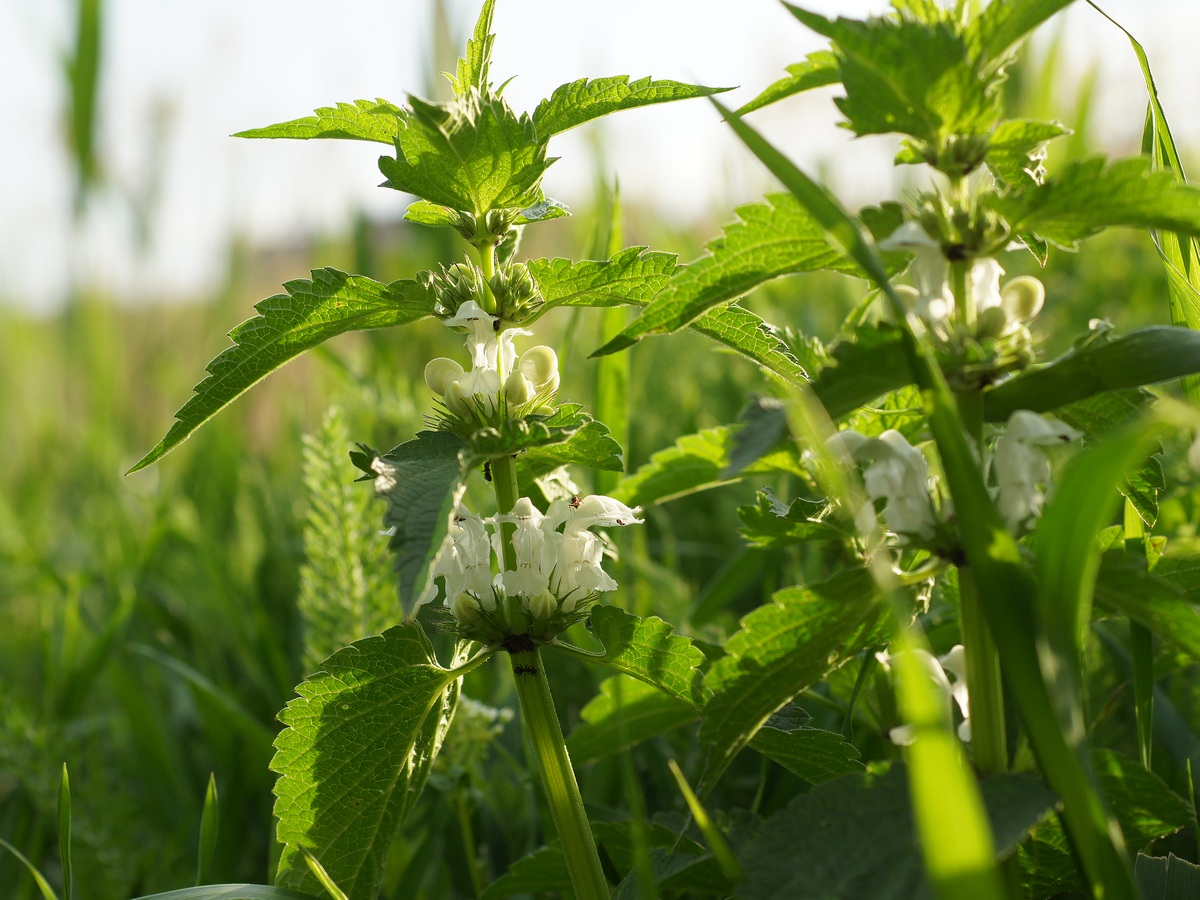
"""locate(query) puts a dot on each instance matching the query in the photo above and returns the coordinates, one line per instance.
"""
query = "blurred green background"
(150, 627)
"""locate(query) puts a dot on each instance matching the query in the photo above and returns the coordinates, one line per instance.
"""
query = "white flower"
(933, 302)
(1021, 467)
(897, 473)
(479, 391)
(985, 284)
(936, 669)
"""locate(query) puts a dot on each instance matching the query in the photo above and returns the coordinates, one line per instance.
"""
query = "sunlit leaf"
(586, 99)
(362, 120)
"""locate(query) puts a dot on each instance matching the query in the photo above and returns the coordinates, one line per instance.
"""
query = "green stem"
(1141, 647)
(487, 267)
(558, 778)
(984, 685)
(463, 803)
(504, 481)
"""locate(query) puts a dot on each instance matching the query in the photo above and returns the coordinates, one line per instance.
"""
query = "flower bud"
(464, 608)
(517, 297)
(517, 389)
(543, 605)
(440, 372)
(991, 323)
(452, 287)
(456, 400)
(1023, 297)
(540, 365)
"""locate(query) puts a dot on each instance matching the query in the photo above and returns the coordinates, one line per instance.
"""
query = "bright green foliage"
(1145, 356)
(817, 847)
(764, 427)
(819, 69)
(743, 331)
(911, 75)
(422, 481)
(474, 155)
(310, 313)
(648, 650)
(346, 585)
(771, 524)
(697, 462)
(583, 100)
(813, 754)
(1014, 146)
(859, 370)
(783, 648)
(625, 713)
(1088, 195)
(578, 437)
(472, 71)
(1145, 808)
(362, 120)
(771, 239)
(587, 443)
(355, 755)
(633, 275)
(995, 32)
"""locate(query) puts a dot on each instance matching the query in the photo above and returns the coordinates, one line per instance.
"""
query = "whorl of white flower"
(934, 301)
(1020, 465)
(555, 571)
(896, 472)
(936, 669)
(534, 374)
(985, 283)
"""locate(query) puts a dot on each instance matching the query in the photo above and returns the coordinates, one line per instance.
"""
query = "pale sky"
(220, 66)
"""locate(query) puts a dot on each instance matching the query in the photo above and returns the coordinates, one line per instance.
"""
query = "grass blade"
(209, 820)
(64, 835)
(39, 879)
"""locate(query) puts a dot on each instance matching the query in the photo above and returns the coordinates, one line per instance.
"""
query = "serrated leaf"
(542, 211)
(346, 583)
(783, 647)
(287, 325)
(1088, 196)
(1167, 878)
(696, 462)
(474, 155)
(770, 524)
(819, 69)
(1013, 149)
(770, 239)
(355, 755)
(1146, 356)
(586, 99)
(813, 754)
(543, 871)
(422, 212)
(422, 481)
(362, 120)
(909, 76)
(994, 33)
(1125, 586)
(1145, 808)
(632, 275)
(743, 331)
(814, 849)
(625, 713)
(472, 71)
(514, 436)
(588, 443)
(648, 650)
(859, 370)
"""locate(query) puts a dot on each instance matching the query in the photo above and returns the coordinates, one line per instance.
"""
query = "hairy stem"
(558, 778)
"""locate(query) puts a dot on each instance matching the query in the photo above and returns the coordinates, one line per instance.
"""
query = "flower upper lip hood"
(897, 473)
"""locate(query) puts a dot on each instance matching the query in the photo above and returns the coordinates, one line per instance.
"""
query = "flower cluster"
(897, 480)
(500, 384)
(1001, 312)
(939, 669)
(556, 576)
(1020, 466)
(896, 474)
